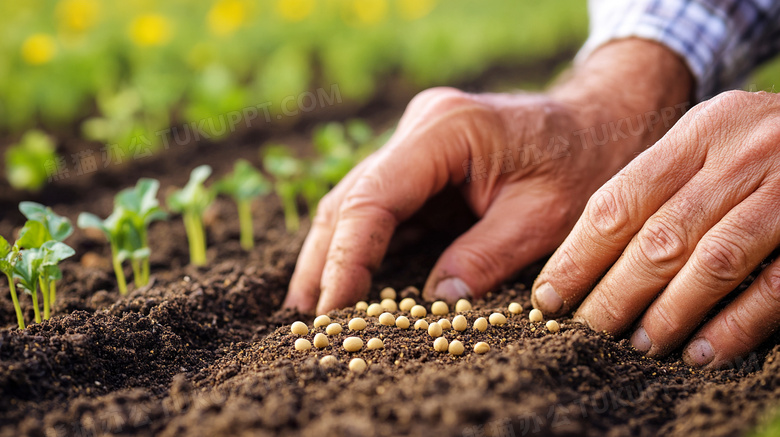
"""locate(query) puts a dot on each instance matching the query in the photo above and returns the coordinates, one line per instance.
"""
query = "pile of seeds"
(384, 315)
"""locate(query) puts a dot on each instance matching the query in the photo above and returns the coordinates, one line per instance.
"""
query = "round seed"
(375, 344)
(481, 348)
(328, 361)
(320, 341)
(459, 323)
(387, 293)
(535, 315)
(302, 344)
(497, 319)
(362, 305)
(418, 311)
(421, 324)
(335, 328)
(440, 344)
(481, 324)
(456, 348)
(374, 310)
(357, 324)
(434, 330)
(387, 319)
(299, 328)
(515, 308)
(553, 326)
(321, 321)
(462, 305)
(389, 305)
(406, 304)
(402, 322)
(439, 308)
(357, 365)
(353, 344)
(445, 324)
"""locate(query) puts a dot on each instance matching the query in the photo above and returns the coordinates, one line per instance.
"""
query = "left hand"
(676, 231)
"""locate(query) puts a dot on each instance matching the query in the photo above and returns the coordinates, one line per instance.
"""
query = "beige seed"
(497, 319)
(418, 311)
(445, 324)
(434, 330)
(402, 322)
(374, 310)
(362, 305)
(515, 308)
(421, 324)
(439, 308)
(357, 365)
(462, 305)
(535, 315)
(459, 323)
(353, 344)
(440, 344)
(357, 324)
(375, 344)
(321, 321)
(553, 326)
(302, 344)
(299, 328)
(456, 348)
(334, 329)
(481, 324)
(328, 361)
(481, 348)
(321, 341)
(389, 305)
(387, 293)
(387, 319)
(406, 304)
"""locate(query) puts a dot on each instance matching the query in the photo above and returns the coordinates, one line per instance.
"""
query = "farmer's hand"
(676, 231)
(540, 167)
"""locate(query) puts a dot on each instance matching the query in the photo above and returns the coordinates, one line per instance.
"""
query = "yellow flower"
(294, 10)
(226, 16)
(369, 12)
(78, 15)
(415, 9)
(150, 30)
(38, 49)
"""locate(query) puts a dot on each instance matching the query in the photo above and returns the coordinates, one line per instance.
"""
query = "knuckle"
(661, 243)
(606, 213)
(612, 311)
(770, 289)
(736, 325)
(326, 210)
(722, 259)
(440, 96)
(482, 261)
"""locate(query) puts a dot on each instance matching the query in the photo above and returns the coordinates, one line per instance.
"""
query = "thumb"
(514, 232)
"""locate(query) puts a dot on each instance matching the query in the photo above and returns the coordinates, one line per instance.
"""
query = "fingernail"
(548, 299)
(699, 353)
(452, 289)
(641, 341)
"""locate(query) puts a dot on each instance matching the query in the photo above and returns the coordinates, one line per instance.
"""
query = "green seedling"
(141, 209)
(39, 266)
(243, 185)
(9, 256)
(115, 229)
(30, 162)
(287, 172)
(192, 202)
(57, 228)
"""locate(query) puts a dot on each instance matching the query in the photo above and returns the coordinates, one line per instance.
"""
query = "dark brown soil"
(207, 352)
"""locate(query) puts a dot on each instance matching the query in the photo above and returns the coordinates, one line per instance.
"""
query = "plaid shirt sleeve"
(720, 40)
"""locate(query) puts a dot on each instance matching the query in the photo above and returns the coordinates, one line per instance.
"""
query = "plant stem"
(45, 293)
(145, 271)
(118, 272)
(197, 239)
(36, 309)
(245, 221)
(52, 292)
(137, 278)
(17, 307)
(291, 221)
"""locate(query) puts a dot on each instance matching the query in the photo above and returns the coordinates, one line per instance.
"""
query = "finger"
(660, 249)
(742, 326)
(304, 289)
(723, 258)
(516, 230)
(612, 216)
